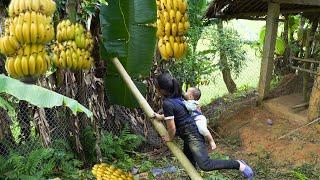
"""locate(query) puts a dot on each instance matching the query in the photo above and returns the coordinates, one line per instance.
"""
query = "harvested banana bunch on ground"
(27, 30)
(172, 24)
(73, 47)
(106, 172)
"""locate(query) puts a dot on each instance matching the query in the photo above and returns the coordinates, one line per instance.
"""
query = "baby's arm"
(190, 105)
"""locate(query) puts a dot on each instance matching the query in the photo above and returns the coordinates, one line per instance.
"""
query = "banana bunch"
(67, 55)
(172, 24)
(74, 32)
(31, 61)
(32, 27)
(46, 7)
(27, 30)
(73, 47)
(105, 172)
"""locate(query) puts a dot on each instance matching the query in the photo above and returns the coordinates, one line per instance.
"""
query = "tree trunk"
(226, 73)
(314, 104)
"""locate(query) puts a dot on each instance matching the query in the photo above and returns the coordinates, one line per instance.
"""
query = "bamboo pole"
(193, 174)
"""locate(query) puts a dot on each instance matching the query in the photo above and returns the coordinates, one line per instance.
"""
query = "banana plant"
(38, 96)
(129, 33)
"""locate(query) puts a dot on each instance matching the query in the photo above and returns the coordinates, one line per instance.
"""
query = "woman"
(179, 122)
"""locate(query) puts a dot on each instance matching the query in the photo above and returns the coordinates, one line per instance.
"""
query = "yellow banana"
(69, 62)
(174, 29)
(35, 5)
(166, 17)
(171, 41)
(21, 6)
(14, 42)
(162, 49)
(2, 46)
(177, 39)
(176, 50)
(27, 50)
(183, 6)
(11, 8)
(27, 17)
(28, 4)
(47, 34)
(10, 66)
(40, 48)
(180, 28)
(39, 65)
(48, 60)
(9, 48)
(25, 65)
(169, 49)
(32, 65)
(18, 30)
(169, 5)
(34, 33)
(17, 66)
(182, 48)
(175, 5)
(168, 29)
(62, 59)
(186, 25)
(70, 32)
(34, 49)
(80, 62)
(163, 4)
(16, 7)
(74, 60)
(26, 32)
(172, 15)
(33, 17)
(41, 33)
(178, 16)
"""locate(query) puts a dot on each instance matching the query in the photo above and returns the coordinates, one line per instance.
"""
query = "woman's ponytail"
(176, 89)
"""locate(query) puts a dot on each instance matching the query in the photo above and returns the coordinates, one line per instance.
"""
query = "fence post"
(186, 164)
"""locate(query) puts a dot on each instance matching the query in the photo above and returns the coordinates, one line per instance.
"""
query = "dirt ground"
(250, 137)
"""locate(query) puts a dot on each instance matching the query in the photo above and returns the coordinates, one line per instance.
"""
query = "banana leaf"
(39, 96)
(128, 32)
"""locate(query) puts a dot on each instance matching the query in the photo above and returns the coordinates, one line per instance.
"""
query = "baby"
(192, 97)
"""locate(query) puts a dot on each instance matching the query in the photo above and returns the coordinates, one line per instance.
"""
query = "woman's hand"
(166, 138)
(159, 117)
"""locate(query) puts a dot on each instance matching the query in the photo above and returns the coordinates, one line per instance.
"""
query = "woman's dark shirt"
(174, 109)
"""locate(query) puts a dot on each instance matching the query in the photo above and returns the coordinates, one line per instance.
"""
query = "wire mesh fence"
(26, 127)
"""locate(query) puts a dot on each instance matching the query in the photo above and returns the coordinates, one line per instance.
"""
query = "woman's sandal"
(247, 172)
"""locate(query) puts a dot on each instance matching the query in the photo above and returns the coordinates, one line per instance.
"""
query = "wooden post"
(314, 104)
(268, 51)
(193, 174)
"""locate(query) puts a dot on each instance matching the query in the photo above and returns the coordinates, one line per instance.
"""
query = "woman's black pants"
(196, 151)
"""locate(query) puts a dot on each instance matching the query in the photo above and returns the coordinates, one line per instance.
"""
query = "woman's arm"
(171, 127)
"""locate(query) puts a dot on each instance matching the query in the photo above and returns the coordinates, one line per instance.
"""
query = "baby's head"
(193, 93)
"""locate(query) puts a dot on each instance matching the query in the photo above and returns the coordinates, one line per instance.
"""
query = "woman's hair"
(169, 85)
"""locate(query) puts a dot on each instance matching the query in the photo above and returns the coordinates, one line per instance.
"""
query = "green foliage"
(127, 33)
(41, 163)
(39, 96)
(228, 41)
(195, 68)
(116, 149)
(280, 44)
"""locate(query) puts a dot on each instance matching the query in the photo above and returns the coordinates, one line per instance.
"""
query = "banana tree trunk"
(157, 125)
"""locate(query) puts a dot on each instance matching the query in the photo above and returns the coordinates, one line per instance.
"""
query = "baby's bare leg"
(211, 141)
